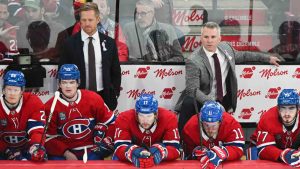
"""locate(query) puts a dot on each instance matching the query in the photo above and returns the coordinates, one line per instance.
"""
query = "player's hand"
(104, 148)
(274, 61)
(12, 154)
(199, 152)
(159, 152)
(99, 132)
(69, 155)
(5, 33)
(216, 155)
(290, 157)
(139, 156)
(37, 153)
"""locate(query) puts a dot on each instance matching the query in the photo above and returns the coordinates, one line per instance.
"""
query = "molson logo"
(267, 73)
(162, 73)
(188, 17)
(297, 73)
(242, 93)
(246, 113)
(247, 72)
(135, 93)
(167, 93)
(273, 93)
(142, 72)
(52, 73)
(191, 43)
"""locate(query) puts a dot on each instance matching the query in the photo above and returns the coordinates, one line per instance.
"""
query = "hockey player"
(278, 132)
(222, 136)
(147, 134)
(22, 119)
(81, 121)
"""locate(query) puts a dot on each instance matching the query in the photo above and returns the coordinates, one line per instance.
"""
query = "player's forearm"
(234, 153)
(120, 153)
(270, 153)
(173, 153)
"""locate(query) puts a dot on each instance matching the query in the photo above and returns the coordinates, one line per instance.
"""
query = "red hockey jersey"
(23, 126)
(230, 135)
(72, 123)
(272, 137)
(165, 131)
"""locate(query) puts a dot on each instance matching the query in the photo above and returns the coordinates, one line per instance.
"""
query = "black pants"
(110, 99)
(188, 110)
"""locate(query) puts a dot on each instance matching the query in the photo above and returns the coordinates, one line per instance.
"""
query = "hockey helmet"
(211, 111)
(68, 72)
(146, 104)
(14, 78)
(288, 97)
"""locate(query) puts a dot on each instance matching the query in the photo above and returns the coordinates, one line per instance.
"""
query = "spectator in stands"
(277, 134)
(146, 135)
(213, 136)
(109, 27)
(210, 73)
(34, 12)
(289, 40)
(8, 41)
(38, 36)
(149, 40)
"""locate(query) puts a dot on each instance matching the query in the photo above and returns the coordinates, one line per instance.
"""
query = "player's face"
(211, 128)
(69, 87)
(103, 8)
(33, 14)
(3, 14)
(146, 120)
(288, 114)
(89, 21)
(12, 94)
(210, 38)
(144, 15)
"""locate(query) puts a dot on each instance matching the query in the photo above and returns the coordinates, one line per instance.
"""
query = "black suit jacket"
(72, 52)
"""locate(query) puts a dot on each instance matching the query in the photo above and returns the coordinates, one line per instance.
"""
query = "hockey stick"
(56, 95)
(199, 117)
(85, 155)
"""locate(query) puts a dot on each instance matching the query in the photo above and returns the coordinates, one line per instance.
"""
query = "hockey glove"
(199, 152)
(290, 157)
(159, 152)
(104, 148)
(37, 153)
(139, 156)
(12, 154)
(99, 132)
(216, 155)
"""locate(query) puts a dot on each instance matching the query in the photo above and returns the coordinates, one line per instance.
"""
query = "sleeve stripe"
(234, 144)
(34, 128)
(171, 141)
(49, 137)
(266, 144)
(120, 141)
(110, 120)
(260, 150)
(238, 142)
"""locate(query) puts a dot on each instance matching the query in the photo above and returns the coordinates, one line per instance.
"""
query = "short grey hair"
(146, 3)
(211, 25)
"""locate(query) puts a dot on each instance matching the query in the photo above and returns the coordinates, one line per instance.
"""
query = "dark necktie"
(92, 66)
(218, 75)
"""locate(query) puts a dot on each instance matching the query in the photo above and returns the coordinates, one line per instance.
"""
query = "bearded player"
(222, 137)
(277, 136)
(146, 135)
